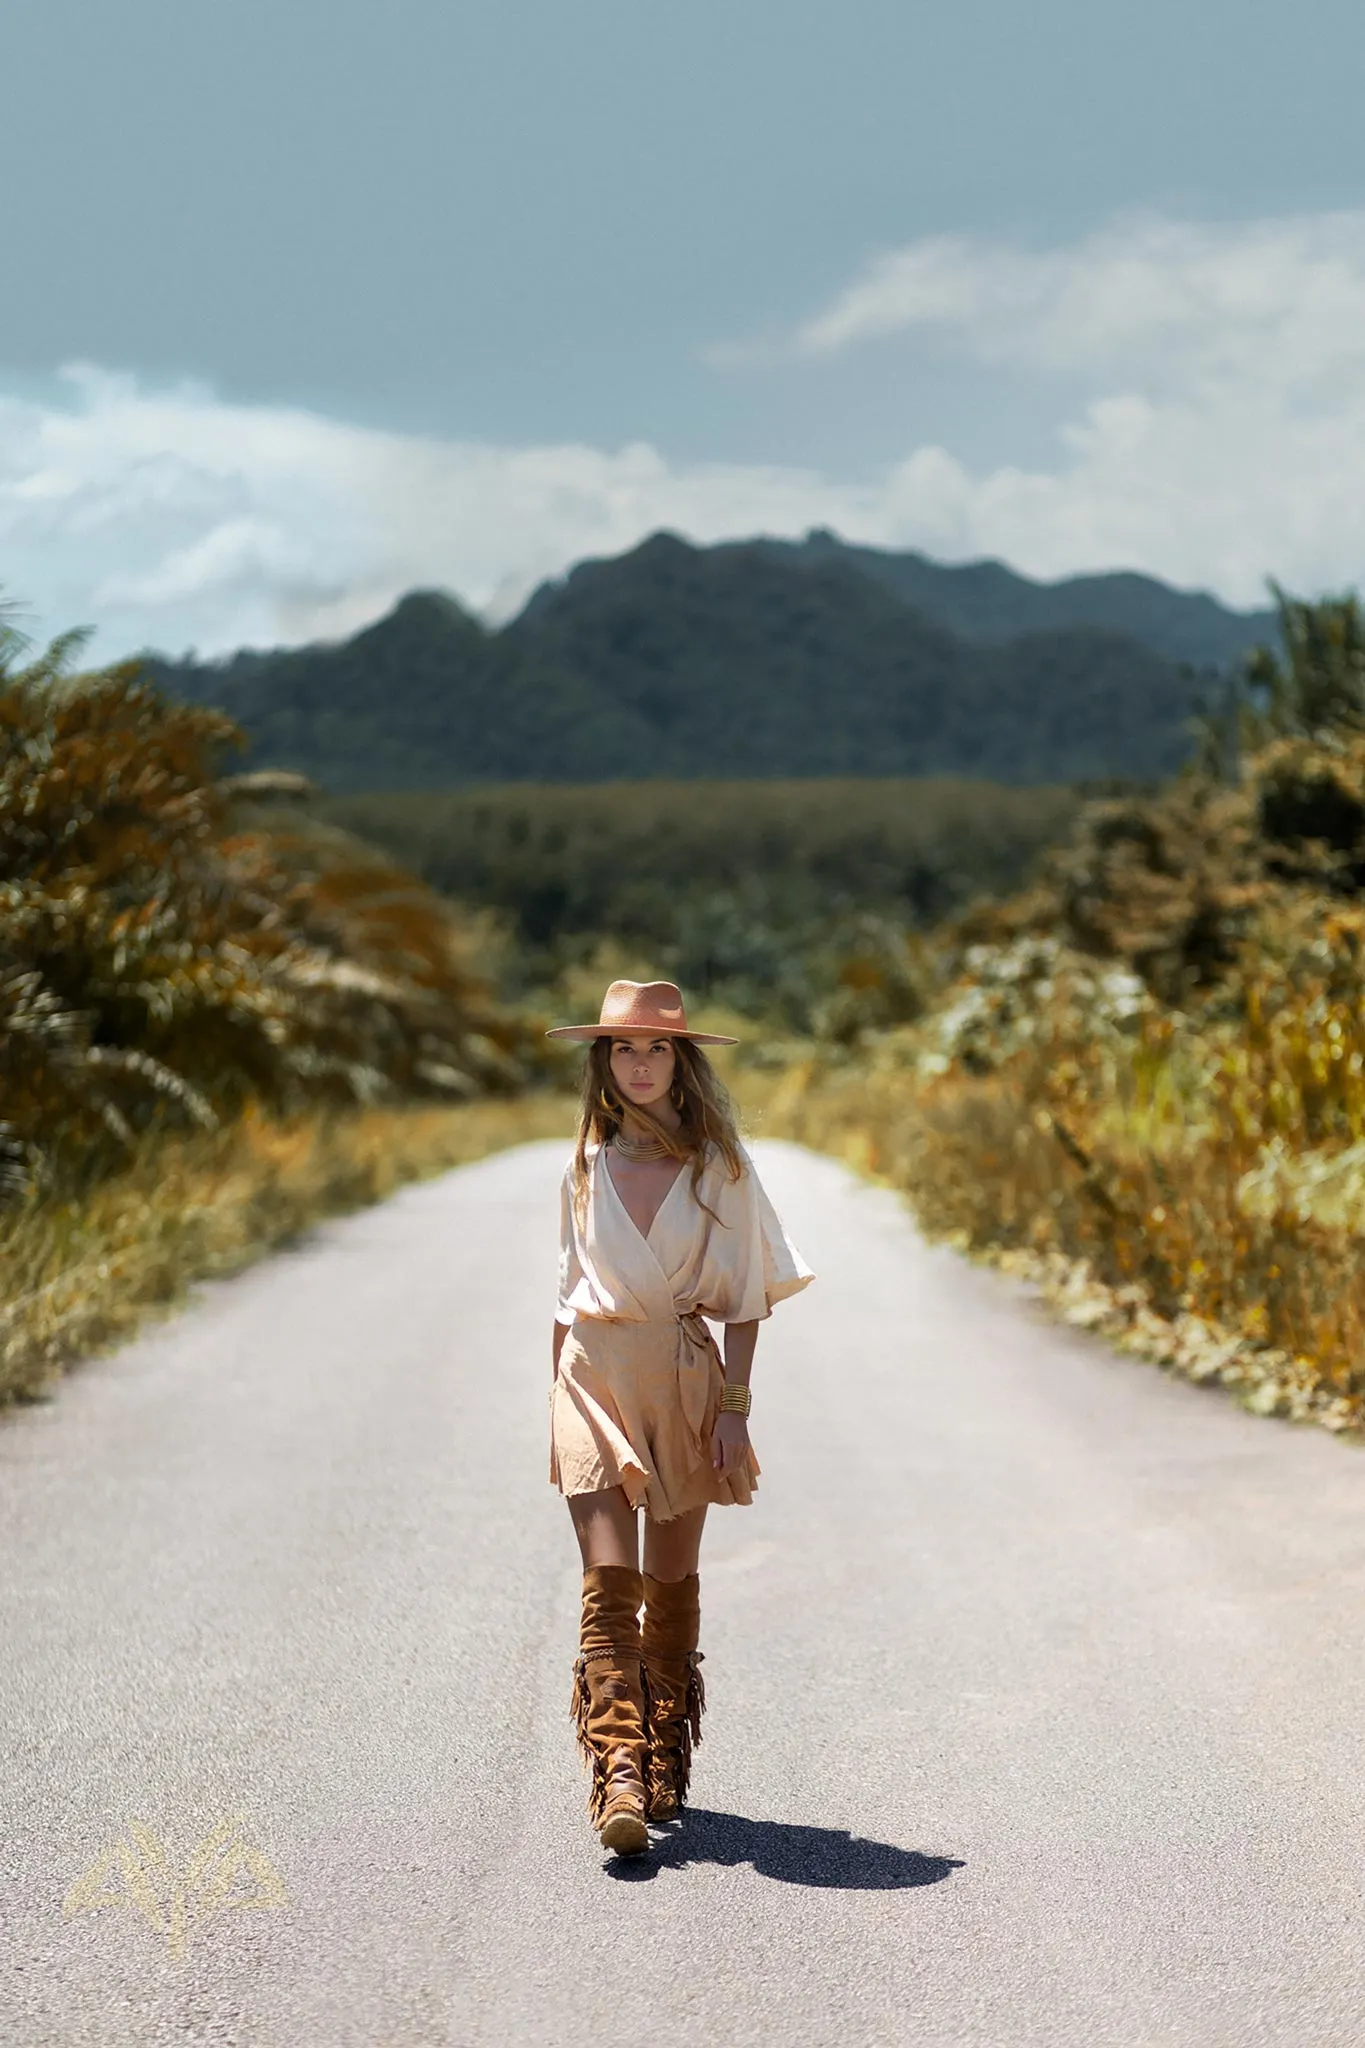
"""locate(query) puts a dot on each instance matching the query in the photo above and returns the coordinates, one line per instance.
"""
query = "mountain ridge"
(746, 659)
(986, 600)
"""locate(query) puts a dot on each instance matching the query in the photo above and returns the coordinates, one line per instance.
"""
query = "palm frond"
(177, 942)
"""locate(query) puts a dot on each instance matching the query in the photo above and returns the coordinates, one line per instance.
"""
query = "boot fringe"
(580, 1706)
(689, 1726)
(695, 1704)
(670, 1769)
(580, 1701)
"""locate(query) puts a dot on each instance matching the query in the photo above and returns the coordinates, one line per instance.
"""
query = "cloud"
(1279, 304)
(172, 518)
(1215, 380)
(1206, 384)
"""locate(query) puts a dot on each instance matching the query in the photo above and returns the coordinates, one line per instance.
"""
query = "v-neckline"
(643, 1235)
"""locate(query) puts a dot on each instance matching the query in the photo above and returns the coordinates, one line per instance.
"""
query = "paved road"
(1035, 1678)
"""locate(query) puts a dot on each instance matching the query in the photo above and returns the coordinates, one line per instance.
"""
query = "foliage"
(770, 896)
(1314, 690)
(988, 601)
(169, 948)
(1145, 1074)
(1318, 688)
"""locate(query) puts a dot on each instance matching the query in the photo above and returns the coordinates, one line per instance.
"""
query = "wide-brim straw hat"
(653, 1007)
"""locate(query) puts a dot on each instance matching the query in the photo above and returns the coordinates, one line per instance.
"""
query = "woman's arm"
(731, 1433)
(570, 1268)
(740, 1339)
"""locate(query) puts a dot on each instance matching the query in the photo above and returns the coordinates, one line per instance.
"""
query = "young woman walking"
(662, 1222)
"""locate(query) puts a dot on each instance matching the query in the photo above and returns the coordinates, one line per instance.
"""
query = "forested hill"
(678, 661)
(990, 602)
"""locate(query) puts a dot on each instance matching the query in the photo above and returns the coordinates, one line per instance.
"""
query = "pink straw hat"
(631, 1007)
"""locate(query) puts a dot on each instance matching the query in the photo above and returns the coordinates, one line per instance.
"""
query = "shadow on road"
(828, 1857)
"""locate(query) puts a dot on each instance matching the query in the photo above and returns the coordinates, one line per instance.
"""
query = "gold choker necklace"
(639, 1148)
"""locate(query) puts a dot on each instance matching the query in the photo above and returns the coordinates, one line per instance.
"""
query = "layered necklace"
(639, 1149)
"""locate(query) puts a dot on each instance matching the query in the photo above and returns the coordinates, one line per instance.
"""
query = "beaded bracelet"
(735, 1399)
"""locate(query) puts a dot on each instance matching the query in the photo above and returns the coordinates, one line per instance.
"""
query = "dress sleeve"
(570, 1265)
(766, 1265)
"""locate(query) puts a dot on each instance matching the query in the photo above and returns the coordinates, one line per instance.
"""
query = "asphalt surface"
(1035, 1678)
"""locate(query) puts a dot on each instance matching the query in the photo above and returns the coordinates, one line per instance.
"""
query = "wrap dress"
(638, 1388)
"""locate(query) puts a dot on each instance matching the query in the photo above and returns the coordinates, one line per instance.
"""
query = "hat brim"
(583, 1034)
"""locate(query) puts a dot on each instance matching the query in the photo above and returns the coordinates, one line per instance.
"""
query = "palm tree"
(169, 947)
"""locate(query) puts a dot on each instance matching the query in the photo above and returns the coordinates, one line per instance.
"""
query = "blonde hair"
(706, 1113)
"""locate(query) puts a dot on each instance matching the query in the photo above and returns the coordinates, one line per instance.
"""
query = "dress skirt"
(633, 1405)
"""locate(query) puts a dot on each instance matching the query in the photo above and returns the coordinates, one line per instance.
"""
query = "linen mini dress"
(639, 1383)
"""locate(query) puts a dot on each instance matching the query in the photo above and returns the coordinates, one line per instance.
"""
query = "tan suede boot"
(608, 1705)
(674, 1694)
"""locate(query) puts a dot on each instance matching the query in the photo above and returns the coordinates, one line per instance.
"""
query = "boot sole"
(625, 1834)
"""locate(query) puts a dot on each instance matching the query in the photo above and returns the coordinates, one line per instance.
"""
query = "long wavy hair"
(696, 1092)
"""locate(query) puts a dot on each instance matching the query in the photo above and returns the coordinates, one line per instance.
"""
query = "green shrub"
(171, 950)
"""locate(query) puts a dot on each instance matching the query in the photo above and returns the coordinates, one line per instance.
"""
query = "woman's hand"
(729, 1441)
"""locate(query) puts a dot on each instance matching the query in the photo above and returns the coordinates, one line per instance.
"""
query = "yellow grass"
(1162, 1250)
(81, 1271)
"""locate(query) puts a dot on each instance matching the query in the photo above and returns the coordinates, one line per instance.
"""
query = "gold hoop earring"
(677, 1095)
(612, 1108)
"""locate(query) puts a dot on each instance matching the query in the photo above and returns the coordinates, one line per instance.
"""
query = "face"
(642, 1069)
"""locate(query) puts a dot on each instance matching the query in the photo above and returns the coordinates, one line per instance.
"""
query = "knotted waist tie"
(694, 1376)
(695, 1329)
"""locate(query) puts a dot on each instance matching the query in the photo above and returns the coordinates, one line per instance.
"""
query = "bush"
(172, 947)
(763, 896)
(1150, 1065)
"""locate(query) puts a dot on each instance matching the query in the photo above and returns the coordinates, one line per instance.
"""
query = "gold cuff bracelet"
(735, 1399)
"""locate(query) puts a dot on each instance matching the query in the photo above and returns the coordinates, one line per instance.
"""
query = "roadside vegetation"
(762, 896)
(86, 1265)
(1109, 1037)
(213, 1008)
(1140, 1081)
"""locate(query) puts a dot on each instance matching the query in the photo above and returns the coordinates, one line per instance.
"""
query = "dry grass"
(82, 1271)
(1269, 1306)
(219, 1019)
(1142, 1081)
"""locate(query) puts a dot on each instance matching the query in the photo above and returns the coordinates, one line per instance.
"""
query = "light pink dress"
(638, 1388)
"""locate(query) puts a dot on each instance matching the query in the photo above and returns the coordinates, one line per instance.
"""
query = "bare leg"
(673, 1548)
(606, 1528)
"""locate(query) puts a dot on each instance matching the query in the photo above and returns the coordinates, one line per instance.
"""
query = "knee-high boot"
(675, 1695)
(608, 1705)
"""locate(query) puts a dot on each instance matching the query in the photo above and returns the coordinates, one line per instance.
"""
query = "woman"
(662, 1222)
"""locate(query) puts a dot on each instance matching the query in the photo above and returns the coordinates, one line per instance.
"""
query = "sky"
(310, 302)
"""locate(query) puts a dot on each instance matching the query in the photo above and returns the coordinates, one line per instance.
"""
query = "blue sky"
(311, 302)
